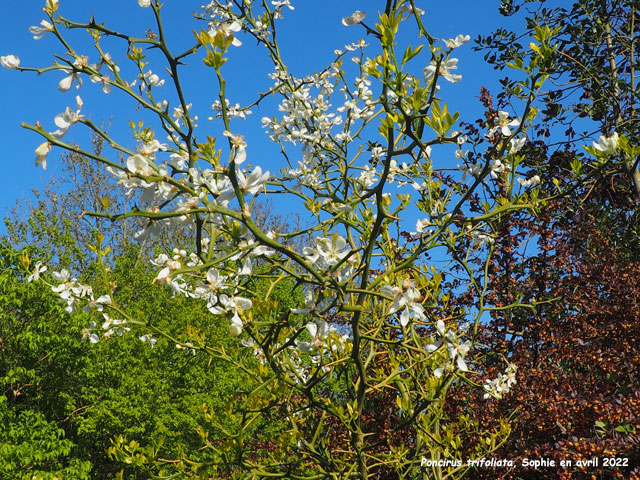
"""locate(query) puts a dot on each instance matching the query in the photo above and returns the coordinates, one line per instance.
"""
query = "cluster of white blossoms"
(72, 294)
(324, 336)
(148, 176)
(308, 358)
(171, 187)
(219, 290)
(497, 168)
(498, 387)
(307, 173)
(301, 360)
(530, 182)
(307, 117)
(455, 349)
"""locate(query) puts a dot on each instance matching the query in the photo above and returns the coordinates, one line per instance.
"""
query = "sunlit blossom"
(10, 61)
(41, 154)
(238, 148)
(444, 71)
(89, 335)
(607, 144)
(39, 32)
(501, 385)
(227, 30)
(354, 19)
(457, 42)
(38, 269)
(503, 122)
(406, 299)
(66, 119)
(147, 337)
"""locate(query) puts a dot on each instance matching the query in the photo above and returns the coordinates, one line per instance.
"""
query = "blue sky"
(309, 35)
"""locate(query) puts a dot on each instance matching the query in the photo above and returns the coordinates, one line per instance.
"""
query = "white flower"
(140, 165)
(144, 3)
(496, 388)
(67, 82)
(254, 182)
(51, 5)
(409, 9)
(112, 325)
(516, 144)
(87, 335)
(422, 226)
(147, 337)
(238, 148)
(179, 160)
(67, 118)
(405, 298)
(282, 3)
(498, 168)
(367, 178)
(443, 71)
(457, 42)
(235, 328)
(354, 19)
(41, 154)
(533, 181)
(239, 304)
(503, 123)
(320, 332)
(62, 276)
(35, 275)
(227, 29)
(10, 61)
(331, 252)
(154, 80)
(607, 144)
(479, 238)
(233, 111)
(97, 304)
(215, 281)
(457, 352)
(39, 32)
(236, 304)
(474, 170)
(104, 80)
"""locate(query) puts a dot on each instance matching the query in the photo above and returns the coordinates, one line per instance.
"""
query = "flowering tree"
(359, 372)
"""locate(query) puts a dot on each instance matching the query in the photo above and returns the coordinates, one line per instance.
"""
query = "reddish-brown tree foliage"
(578, 392)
